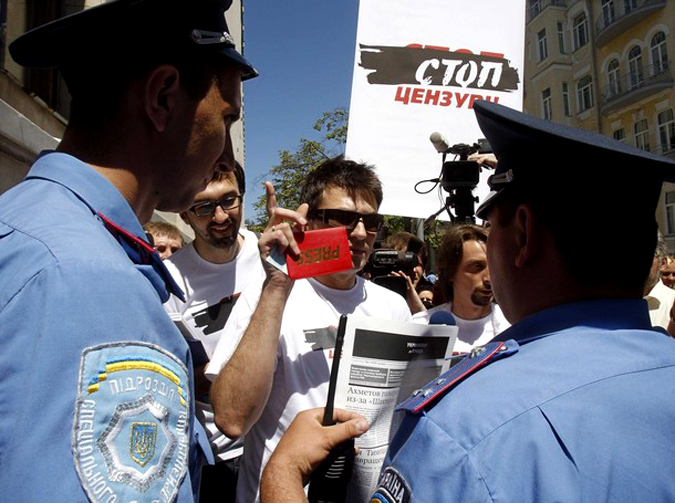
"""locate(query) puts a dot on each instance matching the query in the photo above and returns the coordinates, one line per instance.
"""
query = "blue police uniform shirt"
(96, 399)
(582, 411)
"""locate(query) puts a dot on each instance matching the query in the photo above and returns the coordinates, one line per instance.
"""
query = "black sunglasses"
(349, 219)
(207, 208)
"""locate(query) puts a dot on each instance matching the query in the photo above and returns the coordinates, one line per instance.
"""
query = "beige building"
(606, 66)
(34, 104)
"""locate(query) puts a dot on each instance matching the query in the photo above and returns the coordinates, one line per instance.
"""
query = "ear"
(525, 239)
(183, 215)
(161, 94)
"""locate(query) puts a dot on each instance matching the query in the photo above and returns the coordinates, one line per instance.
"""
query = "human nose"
(219, 214)
(359, 231)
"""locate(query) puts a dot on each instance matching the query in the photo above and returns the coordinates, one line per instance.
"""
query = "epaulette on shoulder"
(478, 358)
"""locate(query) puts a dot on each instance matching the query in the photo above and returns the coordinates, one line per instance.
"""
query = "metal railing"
(632, 81)
(536, 7)
(620, 9)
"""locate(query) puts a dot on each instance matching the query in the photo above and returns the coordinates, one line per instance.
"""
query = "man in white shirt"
(212, 271)
(659, 297)
(464, 288)
(282, 364)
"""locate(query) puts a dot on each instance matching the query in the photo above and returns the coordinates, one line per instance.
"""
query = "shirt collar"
(605, 314)
(89, 186)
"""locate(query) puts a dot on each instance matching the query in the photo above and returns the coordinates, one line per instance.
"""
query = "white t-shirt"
(660, 299)
(211, 291)
(471, 333)
(304, 357)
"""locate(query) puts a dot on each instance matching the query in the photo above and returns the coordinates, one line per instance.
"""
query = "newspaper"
(383, 362)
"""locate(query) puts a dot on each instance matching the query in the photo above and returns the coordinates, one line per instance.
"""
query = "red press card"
(322, 251)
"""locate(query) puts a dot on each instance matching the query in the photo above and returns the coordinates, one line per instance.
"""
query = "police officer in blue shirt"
(96, 401)
(573, 402)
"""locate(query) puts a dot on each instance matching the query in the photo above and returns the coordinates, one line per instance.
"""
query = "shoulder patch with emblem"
(131, 425)
(392, 488)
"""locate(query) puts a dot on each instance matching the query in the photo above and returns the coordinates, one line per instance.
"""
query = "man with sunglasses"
(282, 364)
(212, 271)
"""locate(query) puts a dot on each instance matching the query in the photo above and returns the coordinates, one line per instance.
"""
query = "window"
(670, 212)
(547, 113)
(614, 87)
(580, 31)
(535, 8)
(666, 131)
(561, 38)
(659, 53)
(542, 45)
(619, 134)
(607, 12)
(585, 93)
(566, 99)
(635, 67)
(641, 130)
(629, 5)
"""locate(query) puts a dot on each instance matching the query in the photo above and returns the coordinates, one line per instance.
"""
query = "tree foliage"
(294, 165)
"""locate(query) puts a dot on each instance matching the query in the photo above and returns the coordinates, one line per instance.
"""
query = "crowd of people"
(141, 368)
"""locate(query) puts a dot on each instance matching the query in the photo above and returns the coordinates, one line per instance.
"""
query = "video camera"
(459, 177)
(384, 261)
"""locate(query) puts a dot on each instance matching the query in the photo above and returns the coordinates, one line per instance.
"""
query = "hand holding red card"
(322, 251)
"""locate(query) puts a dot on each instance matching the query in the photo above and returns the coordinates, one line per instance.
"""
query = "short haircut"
(238, 173)
(450, 257)
(96, 106)
(568, 222)
(357, 179)
(408, 242)
(163, 229)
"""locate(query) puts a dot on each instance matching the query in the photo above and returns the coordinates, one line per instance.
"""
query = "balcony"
(620, 15)
(634, 86)
(538, 6)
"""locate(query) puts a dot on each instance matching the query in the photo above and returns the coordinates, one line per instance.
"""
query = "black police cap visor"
(132, 27)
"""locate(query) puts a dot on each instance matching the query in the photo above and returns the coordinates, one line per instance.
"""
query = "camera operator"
(409, 243)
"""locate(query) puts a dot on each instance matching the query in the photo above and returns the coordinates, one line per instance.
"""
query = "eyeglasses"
(349, 219)
(206, 208)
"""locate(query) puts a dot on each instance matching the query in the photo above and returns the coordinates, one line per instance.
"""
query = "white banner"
(419, 67)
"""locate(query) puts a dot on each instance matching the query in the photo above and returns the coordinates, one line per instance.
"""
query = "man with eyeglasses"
(282, 364)
(212, 271)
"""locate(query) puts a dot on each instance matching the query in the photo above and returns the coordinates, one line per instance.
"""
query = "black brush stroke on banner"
(398, 66)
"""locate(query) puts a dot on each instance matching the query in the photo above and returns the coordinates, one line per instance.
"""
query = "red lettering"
(417, 95)
(461, 98)
(403, 98)
(474, 97)
(492, 54)
(447, 99)
(432, 96)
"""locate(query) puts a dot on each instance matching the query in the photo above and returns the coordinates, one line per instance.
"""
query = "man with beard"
(212, 271)
(464, 290)
(277, 362)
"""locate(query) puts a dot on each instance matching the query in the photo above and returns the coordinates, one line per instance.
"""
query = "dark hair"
(357, 179)
(238, 173)
(568, 222)
(98, 90)
(408, 242)
(450, 256)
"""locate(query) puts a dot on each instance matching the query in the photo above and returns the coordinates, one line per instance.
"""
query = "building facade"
(606, 66)
(34, 103)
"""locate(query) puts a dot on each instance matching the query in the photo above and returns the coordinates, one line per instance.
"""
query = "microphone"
(442, 318)
(439, 142)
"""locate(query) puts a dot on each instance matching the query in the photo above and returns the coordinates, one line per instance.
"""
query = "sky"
(304, 51)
